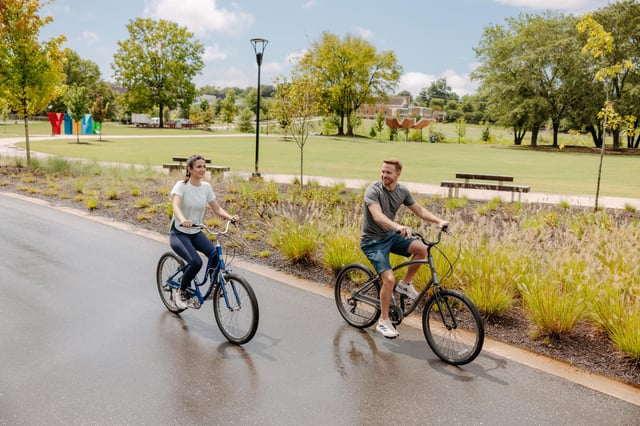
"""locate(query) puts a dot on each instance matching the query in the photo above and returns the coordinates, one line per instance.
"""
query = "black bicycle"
(451, 323)
(235, 306)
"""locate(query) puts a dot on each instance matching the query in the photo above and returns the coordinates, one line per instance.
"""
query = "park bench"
(487, 182)
(180, 163)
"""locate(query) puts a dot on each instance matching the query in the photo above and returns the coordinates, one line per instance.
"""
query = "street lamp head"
(258, 46)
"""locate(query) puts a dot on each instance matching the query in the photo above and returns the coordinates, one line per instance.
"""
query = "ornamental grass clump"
(298, 241)
(488, 272)
(556, 295)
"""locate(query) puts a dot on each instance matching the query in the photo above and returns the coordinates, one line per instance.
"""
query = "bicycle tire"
(356, 313)
(239, 322)
(460, 340)
(168, 264)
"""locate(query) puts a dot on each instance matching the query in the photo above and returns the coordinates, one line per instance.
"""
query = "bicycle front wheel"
(357, 296)
(168, 264)
(236, 309)
(453, 327)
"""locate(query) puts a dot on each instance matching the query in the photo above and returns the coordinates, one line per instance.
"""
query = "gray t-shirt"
(194, 203)
(389, 201)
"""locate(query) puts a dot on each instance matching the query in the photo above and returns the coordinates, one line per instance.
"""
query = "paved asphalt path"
(86, 340)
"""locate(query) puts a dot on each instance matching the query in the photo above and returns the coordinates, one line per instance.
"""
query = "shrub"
(297, 241)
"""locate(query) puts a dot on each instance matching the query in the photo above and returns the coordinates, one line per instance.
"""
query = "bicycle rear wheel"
(168, 264)
(453, 327)
(351, 279)
(238, 320)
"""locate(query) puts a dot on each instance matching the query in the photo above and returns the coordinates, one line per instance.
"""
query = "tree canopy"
(157, 64)
(30, 71)
(351, 73)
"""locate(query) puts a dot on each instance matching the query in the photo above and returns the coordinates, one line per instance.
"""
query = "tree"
(303, 100)
(438, 89)
(156, 65)
(30, 71)
(99, 111)
(351, 73)
(599, 44)
(229, 110)
(77, 102)
(78, 72)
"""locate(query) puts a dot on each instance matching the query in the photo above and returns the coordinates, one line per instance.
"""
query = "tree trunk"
(341, 127)
(518, 135)
(596, 135)
(26, 139)
(556, 129)
(535, 129)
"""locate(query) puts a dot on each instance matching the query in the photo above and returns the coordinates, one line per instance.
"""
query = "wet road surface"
(86, 340)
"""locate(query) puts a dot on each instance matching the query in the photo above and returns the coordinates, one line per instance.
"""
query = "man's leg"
(386, 291)
(419, 252)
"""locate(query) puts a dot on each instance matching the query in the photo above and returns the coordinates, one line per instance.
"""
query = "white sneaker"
(179, 300)
(407, 289)
(387, 329)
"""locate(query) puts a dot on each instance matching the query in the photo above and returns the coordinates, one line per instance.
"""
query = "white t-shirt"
(194, 203)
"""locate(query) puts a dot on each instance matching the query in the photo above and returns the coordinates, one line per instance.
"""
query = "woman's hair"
(190, 162)
(395, 162)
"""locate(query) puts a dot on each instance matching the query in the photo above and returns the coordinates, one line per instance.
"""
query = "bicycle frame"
(433, 282)
(214, 275)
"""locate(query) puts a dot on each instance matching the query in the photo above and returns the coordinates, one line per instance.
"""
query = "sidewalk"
(8, 148)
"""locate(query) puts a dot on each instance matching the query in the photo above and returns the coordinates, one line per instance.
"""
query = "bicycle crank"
(395, 314)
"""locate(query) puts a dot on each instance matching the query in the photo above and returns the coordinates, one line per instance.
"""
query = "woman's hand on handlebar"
(186, 224)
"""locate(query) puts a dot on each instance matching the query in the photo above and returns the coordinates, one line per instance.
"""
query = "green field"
(360, 158)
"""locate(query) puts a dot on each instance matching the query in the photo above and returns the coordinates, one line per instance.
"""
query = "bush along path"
(557, 280)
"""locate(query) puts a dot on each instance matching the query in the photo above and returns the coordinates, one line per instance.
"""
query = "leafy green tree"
(438, 89)
(245, 123)
(79, 72)
(303, 100)
(99, 111)
(600, 43)
(351, 72)
(77, 102)
(157, 64)
(616, 65)
(30, 70)
(229, 110)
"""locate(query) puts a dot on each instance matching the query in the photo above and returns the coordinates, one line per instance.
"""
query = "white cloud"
(414, 82)
(90, 38)
(363, 32)
(200, 16)
(214, 53)
(310, 4)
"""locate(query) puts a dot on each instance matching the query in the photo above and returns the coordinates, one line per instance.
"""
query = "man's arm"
(426, 215)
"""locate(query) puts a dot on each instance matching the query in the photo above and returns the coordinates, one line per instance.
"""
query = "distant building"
(398, 107)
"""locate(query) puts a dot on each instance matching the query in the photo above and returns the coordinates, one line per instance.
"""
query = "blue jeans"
(187, 247)
(378, 250)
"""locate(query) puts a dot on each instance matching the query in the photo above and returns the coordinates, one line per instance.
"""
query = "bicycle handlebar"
(212, 232)
(444, 229)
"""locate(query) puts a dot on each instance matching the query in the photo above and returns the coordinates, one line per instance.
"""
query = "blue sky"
(430, 39)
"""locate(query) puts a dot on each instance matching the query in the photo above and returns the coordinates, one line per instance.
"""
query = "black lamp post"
(258, 46)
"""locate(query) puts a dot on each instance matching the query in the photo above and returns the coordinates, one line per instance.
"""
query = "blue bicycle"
(235, 306)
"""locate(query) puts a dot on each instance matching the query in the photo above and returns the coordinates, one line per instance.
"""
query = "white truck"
(140, 120)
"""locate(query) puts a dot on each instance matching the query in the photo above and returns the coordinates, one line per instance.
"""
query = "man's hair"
(395, 162)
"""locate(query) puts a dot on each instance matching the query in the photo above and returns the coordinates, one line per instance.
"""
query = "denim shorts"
(378, 250)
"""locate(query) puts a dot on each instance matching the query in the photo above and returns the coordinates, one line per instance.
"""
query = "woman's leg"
(184, 247)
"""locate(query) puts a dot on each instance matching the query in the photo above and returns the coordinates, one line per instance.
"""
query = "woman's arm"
(217, 209)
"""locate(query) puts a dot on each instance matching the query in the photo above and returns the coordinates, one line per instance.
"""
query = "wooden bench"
(180, 163)
(488, 182)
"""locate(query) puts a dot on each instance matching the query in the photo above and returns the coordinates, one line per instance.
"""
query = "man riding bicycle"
(381, 235)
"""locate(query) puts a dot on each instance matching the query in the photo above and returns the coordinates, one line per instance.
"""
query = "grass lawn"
(544, 171)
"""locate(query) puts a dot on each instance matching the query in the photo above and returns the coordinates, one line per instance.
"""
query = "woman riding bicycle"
(381, 235)
(190, 198)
